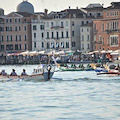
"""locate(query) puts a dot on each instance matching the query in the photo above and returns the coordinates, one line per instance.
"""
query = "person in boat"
(65, 65)
(73, 66)
(102, 66)
(81, 66)
(24, 73)
(117, 67)
(88, 65)
(49, 69)
(13, 73)
(3, 73)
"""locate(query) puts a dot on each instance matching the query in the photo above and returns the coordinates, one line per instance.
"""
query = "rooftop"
(25, 14)
(68, 13)
(94, 5)
(114, 5)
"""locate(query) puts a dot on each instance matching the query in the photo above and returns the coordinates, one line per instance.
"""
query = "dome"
(25, 6)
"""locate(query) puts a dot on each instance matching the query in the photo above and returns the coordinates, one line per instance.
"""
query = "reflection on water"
(80, 95)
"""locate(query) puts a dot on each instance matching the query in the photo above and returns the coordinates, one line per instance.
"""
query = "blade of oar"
(106, 67)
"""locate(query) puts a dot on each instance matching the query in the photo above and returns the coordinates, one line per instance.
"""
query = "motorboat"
(112, 70)
(99, 68)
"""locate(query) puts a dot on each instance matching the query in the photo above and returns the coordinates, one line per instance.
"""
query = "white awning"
(103, 51)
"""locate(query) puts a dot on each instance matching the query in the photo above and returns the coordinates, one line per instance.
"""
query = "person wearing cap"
(13, 73)
(3, 73)
(23, 73)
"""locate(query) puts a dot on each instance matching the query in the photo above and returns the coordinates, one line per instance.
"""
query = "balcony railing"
(112, 31)
(57, 27)
(95, 31)
(95, 42)
(99, 42)
(57, 38)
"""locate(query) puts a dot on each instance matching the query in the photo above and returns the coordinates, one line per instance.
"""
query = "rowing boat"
(42, 73)
(76, 69)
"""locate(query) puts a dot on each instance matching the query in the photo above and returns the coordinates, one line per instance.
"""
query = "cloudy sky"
(51, 5)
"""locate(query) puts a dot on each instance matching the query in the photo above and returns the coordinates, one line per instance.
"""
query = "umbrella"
(109, 51)
(116, 52)
(71, 53)
(103, 51)
(25, 53)
(76, 53)
(96, 51)
(60, 52)
(32, 53)
(90, 52)
(41, 52)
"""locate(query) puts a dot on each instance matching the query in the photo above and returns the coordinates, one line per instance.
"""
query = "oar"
(107, 68)
(94, 67)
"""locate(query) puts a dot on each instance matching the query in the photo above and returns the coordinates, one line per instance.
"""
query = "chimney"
(77, 7)
(45, 11)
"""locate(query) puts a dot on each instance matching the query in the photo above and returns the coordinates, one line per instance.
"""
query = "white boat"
(42, 73)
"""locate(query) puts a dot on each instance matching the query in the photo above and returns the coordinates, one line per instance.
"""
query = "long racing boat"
(42, 73)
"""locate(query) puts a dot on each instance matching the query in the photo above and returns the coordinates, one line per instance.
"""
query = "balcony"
(95, 31)
(37, 21)
(94, 42)
(112, 31)
(56, 38)
(99, 42)
(57, 27)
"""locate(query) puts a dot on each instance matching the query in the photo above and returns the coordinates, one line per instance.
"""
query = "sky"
(51, 5)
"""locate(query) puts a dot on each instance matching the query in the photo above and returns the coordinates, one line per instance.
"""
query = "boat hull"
(110, 73)
(39, 77)
(75, 69)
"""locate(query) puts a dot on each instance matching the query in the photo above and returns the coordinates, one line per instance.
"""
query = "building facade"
(16, 32)
(38, 31)
(61, 30)
(106, 30)
(86, 37)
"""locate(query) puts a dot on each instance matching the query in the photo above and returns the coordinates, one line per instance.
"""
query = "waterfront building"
(106, 30)
(86, 37)
(38, 31)
(61, 30)
(16, 29)
(94, 10)
(16, 32)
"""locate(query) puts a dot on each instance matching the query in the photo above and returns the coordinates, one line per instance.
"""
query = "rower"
(117, 68)
(23, 73)
(3, 73)
(13, 73)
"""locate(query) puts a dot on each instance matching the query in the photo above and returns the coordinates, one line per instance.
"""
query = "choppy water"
(79, 95)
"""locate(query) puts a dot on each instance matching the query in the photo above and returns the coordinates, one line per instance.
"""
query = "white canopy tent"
(41, 52)
(32, 53)
(25, 53)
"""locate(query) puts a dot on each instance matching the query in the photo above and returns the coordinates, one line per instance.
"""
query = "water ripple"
(79, 96)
